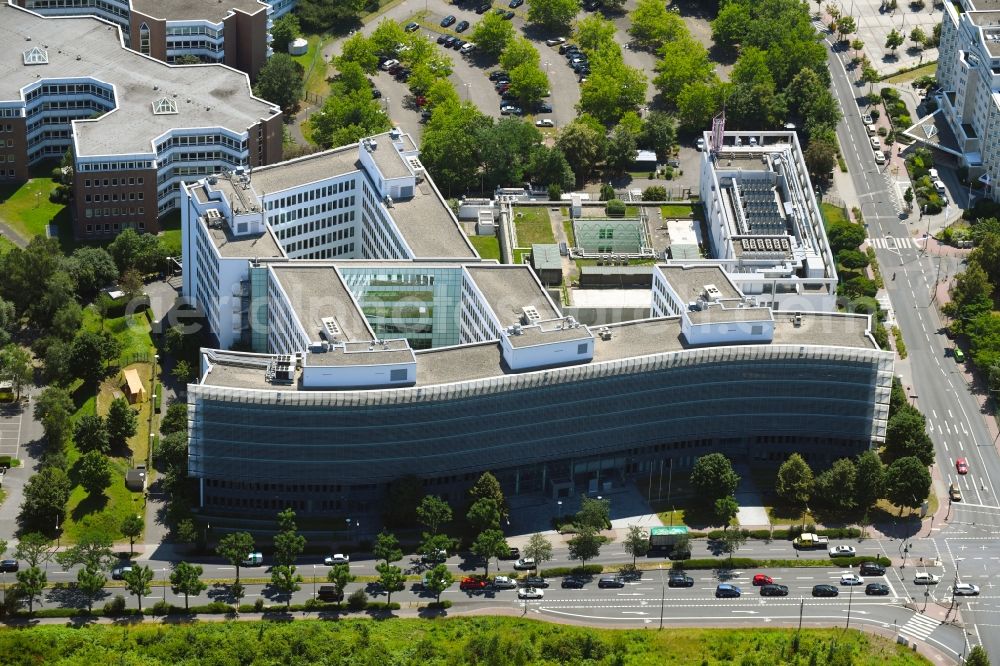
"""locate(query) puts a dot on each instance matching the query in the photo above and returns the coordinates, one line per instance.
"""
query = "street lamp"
(850, 598)
(958, 562)
(164, 572)
(468, 89)
(559, 502)
(349, 529)
(663, 593)
(314, 581)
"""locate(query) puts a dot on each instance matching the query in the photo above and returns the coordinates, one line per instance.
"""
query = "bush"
(439, 605)
(215, 607)
(654, 193)
(615, 207)
(555, 192)
(382, 606)
(557, 572)
(358, 600)
(258, 606)
(116, 606)
(161, 607)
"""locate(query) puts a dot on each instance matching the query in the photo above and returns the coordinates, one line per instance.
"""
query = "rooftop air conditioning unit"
(712, 293)
(797, 320)
(330, 330)
(529, 314)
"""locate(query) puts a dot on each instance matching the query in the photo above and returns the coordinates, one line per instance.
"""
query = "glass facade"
(736, 399)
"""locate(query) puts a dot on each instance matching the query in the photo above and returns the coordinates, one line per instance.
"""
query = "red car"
(962, 466)
(472, 584)
(762, 579)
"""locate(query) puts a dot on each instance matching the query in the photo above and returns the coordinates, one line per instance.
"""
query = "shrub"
(358, 600)
(556, 572)
(381, 605)
(439, 605)
(215, 607)
(555, 192)
(654, 193)
(161, 607)
(258, 606)
(615, 207)
(116, 606)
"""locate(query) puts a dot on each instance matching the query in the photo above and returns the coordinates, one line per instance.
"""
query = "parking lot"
(10, 429)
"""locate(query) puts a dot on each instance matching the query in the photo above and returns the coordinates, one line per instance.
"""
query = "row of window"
(309, 211)
(193, 30)
(98, 198)
(6, 127)
(113, 182)
(98, 90)
(114, 226)
(10, 112)
(195, 44)
(125, 165)
(224, 140)
(113, 212)
(346, 251)
(311, 195)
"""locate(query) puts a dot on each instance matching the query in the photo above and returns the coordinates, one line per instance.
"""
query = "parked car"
(700, 144)
(572, 582)
(872, 569)
(842, 551)
(472, 584)
(725, 590)
(483, 7)
(462, 26)
(507, 16)
(924, 578)
(591, 5)
(825, 591)
(851, 579)
(514, 4)
(498, 74)
(388, 64)
(253, 560)
(611, 581)
(543, 107)
(555, 41)
(468, 48)
(966, 590)
(879, 157)
(876, 143)
(877, 589)
(449, 40)
(534, 581)
(448, 20)
(438, 555)
(962, 466)
(866, 118)
(504, 583)
(762, 579)
(530, 593)
(680, 579)
(329, 593)
(412, 27)
(118, 573)
(8, 566)
(338, 558)
(458, 44)
(512, 554)
(774, 590)
(545, 122)
(959, 356)
(376, 93)
(524, 564)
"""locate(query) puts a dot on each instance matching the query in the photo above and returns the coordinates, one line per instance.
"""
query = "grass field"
(6, 245)
(314, 66)
(456, 641)
(170, 233)
(26, 206)
(488, 247)
(676, 210)
(833, 214)
(927, 70)
(532, 224)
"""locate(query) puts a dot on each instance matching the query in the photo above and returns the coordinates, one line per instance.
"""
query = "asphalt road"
(965, 544)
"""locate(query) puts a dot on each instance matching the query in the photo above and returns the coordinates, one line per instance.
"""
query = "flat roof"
(546, 257)
(85, 47)
(716, 314)
(690, 281)
(181, 10)
(834, 329)
(315, 292)
(639, 338)
(251, 246)
(547, 333)
(429, 226)
(509, 289)
(387, 158)
(458, 364)
(273, 179)
(363, 353)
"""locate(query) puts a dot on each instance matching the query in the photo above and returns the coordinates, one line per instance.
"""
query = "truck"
(665, 538)
(810, 540)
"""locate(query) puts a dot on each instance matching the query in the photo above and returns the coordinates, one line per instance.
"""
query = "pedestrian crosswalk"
(891, 243)
(919, 626)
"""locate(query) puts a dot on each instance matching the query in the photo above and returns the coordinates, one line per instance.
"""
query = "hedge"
(788, 534)
(439, 605)
(556, 572)
(750, 563)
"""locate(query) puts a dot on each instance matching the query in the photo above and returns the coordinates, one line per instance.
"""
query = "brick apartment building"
(138, 127)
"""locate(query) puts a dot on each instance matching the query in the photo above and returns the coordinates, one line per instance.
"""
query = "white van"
(879, 157)
(253, 560)
(939, 186)
(933, 173)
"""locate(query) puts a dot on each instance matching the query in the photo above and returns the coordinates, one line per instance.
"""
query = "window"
(581, 348)
(144, 40)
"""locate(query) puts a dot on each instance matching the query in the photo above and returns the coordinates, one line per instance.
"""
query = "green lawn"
(532, 224)
(676, 210)
(27, 209)
(170, 233)
(927, 70)
(6, 245)
(458, 640)
(833, 214)
(314, 66)
(488, 247)
(568, 230)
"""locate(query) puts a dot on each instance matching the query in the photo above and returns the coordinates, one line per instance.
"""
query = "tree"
(869, 481)
(45, 497)
(732, 541)
(390, 578)
(857, 44)
(846, 25)
(906, 435)
(449, 148)
(845, 236)
(433, 512)
(682, 61)
(27, 272)
(90, 583)
(492, 34)
(594, 513)
(235, 548)
(321, 15)
(622, 151)
(529, 83)
(594, 31)
(835, 486)
(288, 545)
(853, 259)
(713, 477)
(387, 548)
(725, 510)
(612, 89)
(31, 585)
(339, 576)
(131, 284)
(652, 26)
(658, 134)
(358, 49)
(918, 37)
(907, 483)
(186, 579)
(487, 487)
(16, 367)
(490, 543)
(186, 532)
(583, 144)
(977, 657)
(93, 469)
(893, 40)
(538, 548)
(8, 321)
(698, 102)
(795, 481)
(908, 197)
(91, 434)
(519, 51)
(636, 542)
(122, 423)
(142, 252)
(56, 294)
(820, 157)
(34, 548)
(284, 31)
(176, 418)
(549, 166)
(586, 545)
(89, 353)
(54, 409)
(971, 293)
(131, 528)
(280, 82)
(171, 452)
(182, 372)
(287, 581)
(137, 582)
(553, 15)
(439, 579)
(433, 544)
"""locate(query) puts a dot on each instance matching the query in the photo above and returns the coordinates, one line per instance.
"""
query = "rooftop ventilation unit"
(712, 293)
(395, 133)
(797, 320)
(529, 314)
(388, 201)
(330, 330)
(605, 333)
